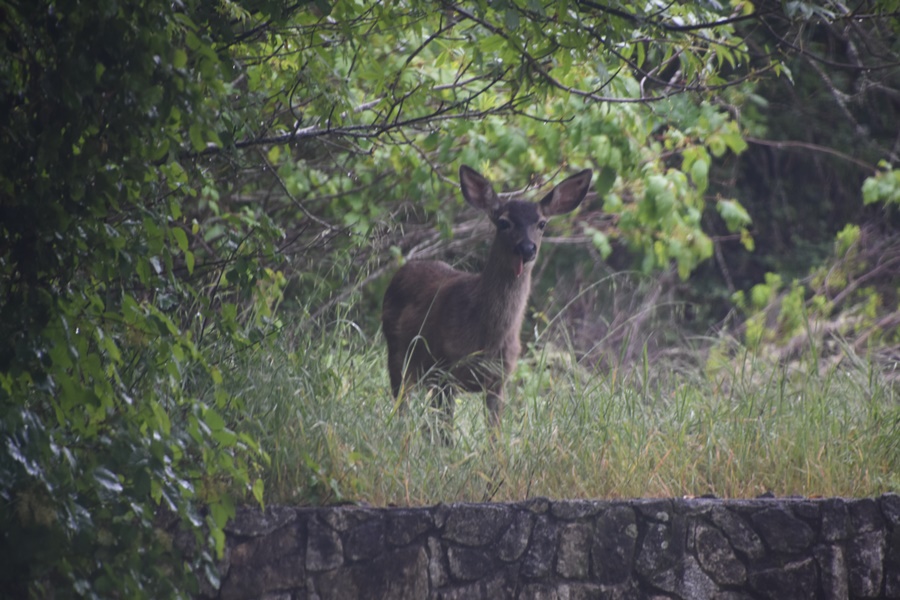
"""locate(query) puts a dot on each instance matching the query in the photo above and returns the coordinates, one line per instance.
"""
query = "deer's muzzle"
(527, 250)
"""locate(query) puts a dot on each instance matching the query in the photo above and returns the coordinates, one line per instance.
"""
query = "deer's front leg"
(444, 404)
(494, 401)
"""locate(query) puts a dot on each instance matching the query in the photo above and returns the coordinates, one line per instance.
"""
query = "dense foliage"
(106, 317)
(180, 181)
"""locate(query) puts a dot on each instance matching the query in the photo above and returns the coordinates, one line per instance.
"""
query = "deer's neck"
(502, 295)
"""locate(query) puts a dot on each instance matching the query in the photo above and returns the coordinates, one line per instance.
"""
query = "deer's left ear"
(567, 195)
(477, 190)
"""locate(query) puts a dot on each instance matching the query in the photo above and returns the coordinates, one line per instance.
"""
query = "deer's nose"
(527, 250)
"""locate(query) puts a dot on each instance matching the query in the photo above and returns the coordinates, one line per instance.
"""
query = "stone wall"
(542, 549)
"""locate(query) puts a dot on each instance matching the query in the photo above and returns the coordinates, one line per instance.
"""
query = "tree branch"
(814, 148)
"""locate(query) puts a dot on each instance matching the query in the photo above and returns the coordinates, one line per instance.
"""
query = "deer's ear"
(567, 195)
(477, 190)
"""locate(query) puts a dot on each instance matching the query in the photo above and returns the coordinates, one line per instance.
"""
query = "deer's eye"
(503, 224)
(542, 224)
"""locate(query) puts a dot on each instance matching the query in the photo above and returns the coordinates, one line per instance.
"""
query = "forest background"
(201, 204)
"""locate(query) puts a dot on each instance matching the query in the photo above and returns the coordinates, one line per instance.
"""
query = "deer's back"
(433, 300)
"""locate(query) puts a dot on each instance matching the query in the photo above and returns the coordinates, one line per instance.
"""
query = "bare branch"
(814, 148)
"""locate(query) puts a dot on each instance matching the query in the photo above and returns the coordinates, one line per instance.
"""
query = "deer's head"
(520, 224)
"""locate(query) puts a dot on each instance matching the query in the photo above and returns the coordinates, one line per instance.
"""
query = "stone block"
(892, 565)
(865, 564)
(252, 522)
(572, 561)
(515, 540)
(541, 554)
(716, 557)
(344, 518)
(437, 564)
(835, 520)
(366, 541)
(399, 574)
(865, 515)
(739, 533)
(404, 526)
(685, 580)
(657, 552)
(439, 514)
(808, 510)
(268, 548)
(582, 591)
(252, 581)
(890, 508)
(469, 564)
(501, 585)
(833, 572)
(476, 525)
(571, 510)
(783, 532)
(538, 505)
(796, 581)
(614, 544)
(324, 549)
(659, 510)
(538, 591)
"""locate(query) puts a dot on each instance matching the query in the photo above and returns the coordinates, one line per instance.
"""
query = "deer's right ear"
(567, 195)
(477, 190)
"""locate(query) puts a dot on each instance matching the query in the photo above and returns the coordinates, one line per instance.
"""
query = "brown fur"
(436, 317)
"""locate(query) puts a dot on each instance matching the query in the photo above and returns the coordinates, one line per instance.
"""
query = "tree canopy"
(176, 177)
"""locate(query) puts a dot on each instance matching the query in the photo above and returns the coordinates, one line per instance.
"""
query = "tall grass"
(321, 407)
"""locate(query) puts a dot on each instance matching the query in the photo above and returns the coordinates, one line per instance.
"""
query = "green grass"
(323, 412)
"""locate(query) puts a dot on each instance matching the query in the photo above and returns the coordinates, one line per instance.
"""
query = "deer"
(460, 330)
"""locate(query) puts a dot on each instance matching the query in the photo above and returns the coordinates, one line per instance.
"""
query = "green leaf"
(180, 238)
(511, 18)
(221, 511)
(717, 146)
(258, 490)
(179, 58)
(734, 215)
(162, 418)
(107, 480)
(883, 187)
(735, 142)
(759, 295)
(700, 174)
(606, 178)
(846, 239)
(601, 243)
(196, 134)
(213, 419)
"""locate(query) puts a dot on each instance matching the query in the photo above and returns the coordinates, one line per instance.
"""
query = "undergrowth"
(738, 426)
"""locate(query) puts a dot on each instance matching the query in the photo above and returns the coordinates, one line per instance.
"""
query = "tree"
(816, 139)
(101, 372)
(166, 169)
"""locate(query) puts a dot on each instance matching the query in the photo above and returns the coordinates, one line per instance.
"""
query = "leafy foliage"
(882, 187)
(177, 180)
(516, 88)
(106, 408)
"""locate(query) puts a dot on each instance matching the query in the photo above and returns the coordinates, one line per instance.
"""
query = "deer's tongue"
(518, 265)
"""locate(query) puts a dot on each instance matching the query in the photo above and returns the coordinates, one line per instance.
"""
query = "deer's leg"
(397, 368)
(443, 403)
(494, 401)
(396, 373)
